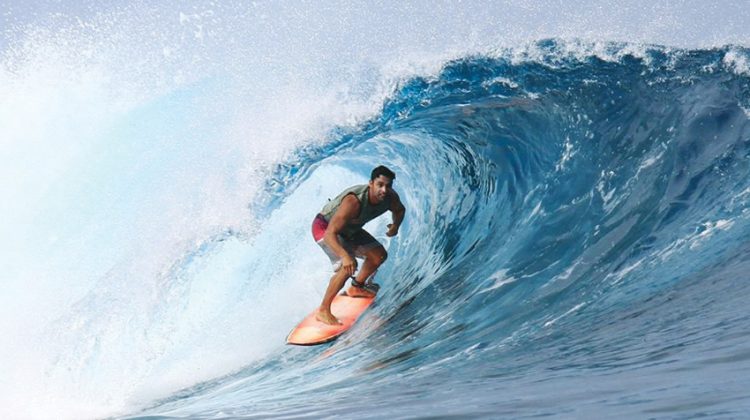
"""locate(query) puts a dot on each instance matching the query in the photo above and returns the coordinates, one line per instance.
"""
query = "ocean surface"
(576, 241)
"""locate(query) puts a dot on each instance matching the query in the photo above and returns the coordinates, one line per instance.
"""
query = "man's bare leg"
(324, 311)
(374, 258)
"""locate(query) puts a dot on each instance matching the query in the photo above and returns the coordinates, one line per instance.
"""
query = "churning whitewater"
(576, 243)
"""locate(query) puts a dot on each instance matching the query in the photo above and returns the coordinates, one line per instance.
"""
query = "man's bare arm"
(398, 211)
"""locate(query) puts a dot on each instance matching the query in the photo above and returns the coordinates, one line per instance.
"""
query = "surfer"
(338, 230)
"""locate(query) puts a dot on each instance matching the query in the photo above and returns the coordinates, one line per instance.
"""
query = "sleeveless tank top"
(367, 211)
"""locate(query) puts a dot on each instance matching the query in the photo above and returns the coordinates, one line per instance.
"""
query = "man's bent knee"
(378, 256)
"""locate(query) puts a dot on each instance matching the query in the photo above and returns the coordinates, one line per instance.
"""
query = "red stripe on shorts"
(319, 227)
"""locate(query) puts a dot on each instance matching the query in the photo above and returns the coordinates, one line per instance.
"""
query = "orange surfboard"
(310, 331)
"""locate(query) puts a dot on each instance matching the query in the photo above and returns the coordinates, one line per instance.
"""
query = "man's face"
(380, 187)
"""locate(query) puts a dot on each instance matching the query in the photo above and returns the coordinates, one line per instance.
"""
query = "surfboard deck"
(311, 332)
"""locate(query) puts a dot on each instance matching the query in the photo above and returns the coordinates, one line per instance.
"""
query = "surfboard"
(346, 308)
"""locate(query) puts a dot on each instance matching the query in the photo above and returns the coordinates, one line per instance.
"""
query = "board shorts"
(356, 244)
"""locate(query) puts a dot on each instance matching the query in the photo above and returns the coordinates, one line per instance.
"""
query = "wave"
(575, 242)
(576, 228)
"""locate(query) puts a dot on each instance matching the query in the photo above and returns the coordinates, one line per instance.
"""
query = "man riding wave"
(338, 230)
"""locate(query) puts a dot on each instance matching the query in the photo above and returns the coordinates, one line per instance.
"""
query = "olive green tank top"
(367, 211)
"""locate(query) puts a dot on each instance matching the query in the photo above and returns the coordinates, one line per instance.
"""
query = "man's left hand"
(392, 230)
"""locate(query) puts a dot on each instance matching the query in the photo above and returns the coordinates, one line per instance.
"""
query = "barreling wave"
(576, 233)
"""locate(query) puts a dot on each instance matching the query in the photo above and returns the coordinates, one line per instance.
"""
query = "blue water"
(576, 243)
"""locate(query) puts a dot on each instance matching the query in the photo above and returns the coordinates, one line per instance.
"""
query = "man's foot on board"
(327, 318)
(359, 292)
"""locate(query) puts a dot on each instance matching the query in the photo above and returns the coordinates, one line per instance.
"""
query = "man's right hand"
(349, 265)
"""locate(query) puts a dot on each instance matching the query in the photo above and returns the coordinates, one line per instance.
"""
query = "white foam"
(566, 313)
(498, 279)
(568, 153)
(737, 61)
(697, 239)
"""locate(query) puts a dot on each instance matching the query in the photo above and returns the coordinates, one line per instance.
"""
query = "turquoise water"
(575, 244)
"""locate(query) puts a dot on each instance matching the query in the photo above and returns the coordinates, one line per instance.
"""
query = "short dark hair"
(382, 170)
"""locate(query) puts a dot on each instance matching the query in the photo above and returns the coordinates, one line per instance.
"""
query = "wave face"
(576, 243)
